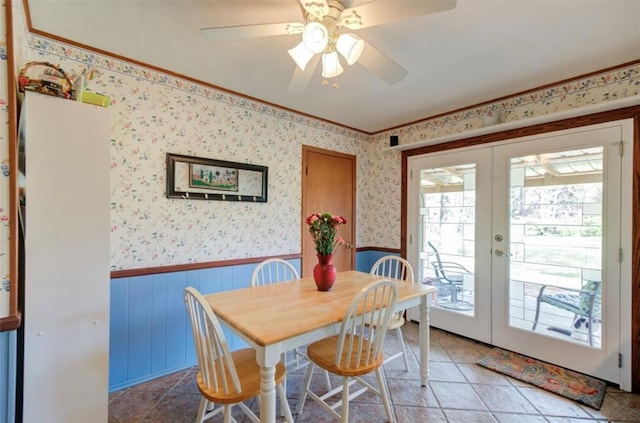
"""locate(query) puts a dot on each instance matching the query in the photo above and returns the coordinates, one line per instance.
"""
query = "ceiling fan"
(325, 29)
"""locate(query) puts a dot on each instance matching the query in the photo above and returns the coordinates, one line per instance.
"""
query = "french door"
(448, 247)
(524, 242)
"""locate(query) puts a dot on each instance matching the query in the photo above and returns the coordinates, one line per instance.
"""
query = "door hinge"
(411, 174)
(621, 148)
(306, 170)
(619, 360)
(410, 239)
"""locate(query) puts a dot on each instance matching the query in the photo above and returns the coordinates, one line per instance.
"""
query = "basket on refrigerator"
(45, 78)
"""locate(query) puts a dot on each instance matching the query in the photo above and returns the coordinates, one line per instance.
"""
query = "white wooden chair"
(273, 271)
(225, 378)
(397, 268)
(277, 271)
(356, 351)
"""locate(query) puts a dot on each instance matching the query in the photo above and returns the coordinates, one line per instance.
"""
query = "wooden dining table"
(277, 318)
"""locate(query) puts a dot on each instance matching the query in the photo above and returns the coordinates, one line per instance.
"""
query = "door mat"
(573, 385)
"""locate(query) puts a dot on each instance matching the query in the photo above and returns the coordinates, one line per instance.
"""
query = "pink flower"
(312, 218)
(340, 220)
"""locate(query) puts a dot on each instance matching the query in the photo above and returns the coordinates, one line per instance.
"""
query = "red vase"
(324, 273)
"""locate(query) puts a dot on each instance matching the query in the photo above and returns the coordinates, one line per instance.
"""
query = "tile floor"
(458, 391)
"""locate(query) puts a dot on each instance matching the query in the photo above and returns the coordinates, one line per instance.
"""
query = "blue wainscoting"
(8, 342)
(150, 334)
(366, 259)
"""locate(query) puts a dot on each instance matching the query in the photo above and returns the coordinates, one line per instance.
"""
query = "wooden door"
(328, 185)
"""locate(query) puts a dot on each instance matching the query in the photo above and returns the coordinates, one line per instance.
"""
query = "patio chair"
(397, 268)
(355, 352)
(450, 275)
(225, 378)
(583, 303)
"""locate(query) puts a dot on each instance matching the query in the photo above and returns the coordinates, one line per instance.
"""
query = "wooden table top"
(273, 313)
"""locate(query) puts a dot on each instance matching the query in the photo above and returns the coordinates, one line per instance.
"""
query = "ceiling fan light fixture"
(331, 65)
(350, 47)
(315, 37)
(301, 55)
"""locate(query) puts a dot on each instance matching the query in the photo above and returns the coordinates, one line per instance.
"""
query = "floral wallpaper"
(4, 173)
(612, 85)
(153, 113)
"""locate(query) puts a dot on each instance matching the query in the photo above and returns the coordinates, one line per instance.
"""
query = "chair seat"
(249, 375)
(396, 321)
(584, 302)
(323, 353)
(455, 279)
(569, 302)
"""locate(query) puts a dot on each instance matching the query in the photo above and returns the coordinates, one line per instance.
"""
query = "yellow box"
(97, 99)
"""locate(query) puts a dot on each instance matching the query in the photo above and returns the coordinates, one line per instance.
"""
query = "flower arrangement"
(323, 228)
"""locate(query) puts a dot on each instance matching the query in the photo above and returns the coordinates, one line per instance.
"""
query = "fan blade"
(251, 31)
(300, 79)
(382, 12)
(381, 65)
(317, 8)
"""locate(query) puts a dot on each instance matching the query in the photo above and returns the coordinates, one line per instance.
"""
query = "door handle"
(348, 245)
(498, 252)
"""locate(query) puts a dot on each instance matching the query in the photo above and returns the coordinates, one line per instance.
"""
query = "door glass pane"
(555, 244)
(447, 235)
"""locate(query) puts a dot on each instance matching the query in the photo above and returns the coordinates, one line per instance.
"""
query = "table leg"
(267, 358)
(268, 394)
(424, 339)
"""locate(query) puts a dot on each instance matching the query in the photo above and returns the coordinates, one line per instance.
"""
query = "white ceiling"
(479, 51)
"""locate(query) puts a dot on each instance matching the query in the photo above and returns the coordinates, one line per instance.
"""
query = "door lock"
(498, 237)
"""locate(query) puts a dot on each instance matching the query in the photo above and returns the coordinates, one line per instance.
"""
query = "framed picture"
(199, 178)
(213, 177)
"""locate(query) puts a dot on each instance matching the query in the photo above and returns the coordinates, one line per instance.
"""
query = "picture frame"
(199, 178)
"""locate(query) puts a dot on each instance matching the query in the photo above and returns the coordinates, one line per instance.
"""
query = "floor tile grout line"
(184, 376)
